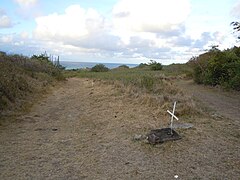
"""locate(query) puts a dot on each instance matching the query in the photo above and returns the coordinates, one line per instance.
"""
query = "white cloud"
(80, 31)
(147, 29)
(150, 15)
(20, 43)
(26, 3)
(181, 41)
(24, 35)
(5, 21)
(236, 10)
(74, 24)
(152, 23)
(28, 9)
(78, 27)
(6, 38)
(136, 31)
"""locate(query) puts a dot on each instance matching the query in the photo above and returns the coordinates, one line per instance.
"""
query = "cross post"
(172, 116)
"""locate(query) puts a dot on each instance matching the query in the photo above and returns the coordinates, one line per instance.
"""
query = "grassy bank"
(21, 77)
(153, 87)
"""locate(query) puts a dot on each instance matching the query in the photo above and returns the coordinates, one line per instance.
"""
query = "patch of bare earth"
(85, 130)
(222, 103)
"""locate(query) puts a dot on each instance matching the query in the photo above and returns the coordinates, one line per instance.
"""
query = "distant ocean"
(78, 65)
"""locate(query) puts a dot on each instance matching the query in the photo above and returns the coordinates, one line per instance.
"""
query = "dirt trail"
(85, 129)
(226, 104)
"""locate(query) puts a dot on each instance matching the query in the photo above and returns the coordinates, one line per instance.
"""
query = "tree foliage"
(217, 67)
(155, 66)
(99, 68)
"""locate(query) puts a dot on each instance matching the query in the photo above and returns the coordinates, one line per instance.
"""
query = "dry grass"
(162, 98)
(153, 88)
(21, 77)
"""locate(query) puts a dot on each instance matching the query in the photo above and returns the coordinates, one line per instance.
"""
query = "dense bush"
(217, 67)
(155, 66)
(99, 68)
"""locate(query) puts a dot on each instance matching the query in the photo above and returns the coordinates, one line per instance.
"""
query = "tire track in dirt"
(84, 130)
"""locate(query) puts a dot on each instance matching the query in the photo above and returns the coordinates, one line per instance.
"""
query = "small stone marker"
(165, 134)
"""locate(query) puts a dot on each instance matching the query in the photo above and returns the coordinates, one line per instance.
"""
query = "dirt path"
(226, 104)
(85, 129)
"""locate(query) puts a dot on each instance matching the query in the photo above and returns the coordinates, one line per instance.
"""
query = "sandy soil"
(85, 129)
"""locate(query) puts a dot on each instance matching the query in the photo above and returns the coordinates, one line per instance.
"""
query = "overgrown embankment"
(217, 67)
(21, 77)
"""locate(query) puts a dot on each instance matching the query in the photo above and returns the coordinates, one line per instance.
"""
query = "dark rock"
(162, 135)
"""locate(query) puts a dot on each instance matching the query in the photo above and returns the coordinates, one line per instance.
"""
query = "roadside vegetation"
(22, 76)
(153, 86)
(217, 67)
(144, 76)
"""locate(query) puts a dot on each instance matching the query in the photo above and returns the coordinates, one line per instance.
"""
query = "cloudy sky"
(122, 31)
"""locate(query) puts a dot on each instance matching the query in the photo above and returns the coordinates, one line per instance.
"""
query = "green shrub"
(234, 82)
(155, 66)
(99, 68)
(123, 66)
(217, 67)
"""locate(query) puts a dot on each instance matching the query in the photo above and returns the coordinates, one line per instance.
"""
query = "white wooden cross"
(172, 116)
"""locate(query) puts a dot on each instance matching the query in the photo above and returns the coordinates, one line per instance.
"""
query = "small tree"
(155, 66)
(99, 68)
